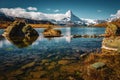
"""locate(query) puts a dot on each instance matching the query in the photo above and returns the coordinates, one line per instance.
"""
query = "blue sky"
(94, 9)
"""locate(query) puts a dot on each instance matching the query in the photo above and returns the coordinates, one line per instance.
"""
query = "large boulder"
(20, 34)
(111, 43)
(112, 30)
(21, 29)
(51, 32)
(112, 39)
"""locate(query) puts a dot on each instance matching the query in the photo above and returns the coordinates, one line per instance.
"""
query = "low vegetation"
(43, 25)
(5, 24)
(104, 24)
(70, 69)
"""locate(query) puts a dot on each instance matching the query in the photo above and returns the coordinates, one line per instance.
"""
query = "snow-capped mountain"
(3, 17)
(114, 17)
(89, 21)
(92, 21)
(68, 19)
(69, 16)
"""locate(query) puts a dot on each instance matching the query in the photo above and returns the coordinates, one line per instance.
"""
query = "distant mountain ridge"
(4, 17)
(69, 18)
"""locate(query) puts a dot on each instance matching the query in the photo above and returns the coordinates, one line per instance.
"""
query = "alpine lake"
(45, 58)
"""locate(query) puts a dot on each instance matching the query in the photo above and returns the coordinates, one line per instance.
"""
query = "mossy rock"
(18, 28)
(112, 30)
(20, 34)
(111, 43)
(52, 33)
(98, 65)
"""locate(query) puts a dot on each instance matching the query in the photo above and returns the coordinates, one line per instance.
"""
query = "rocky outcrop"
(21, 29)
(20, 34)
(51, 32)
(112, 37)
(111, 43)
(112, 30)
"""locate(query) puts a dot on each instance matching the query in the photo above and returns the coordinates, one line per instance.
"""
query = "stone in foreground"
(98, 65)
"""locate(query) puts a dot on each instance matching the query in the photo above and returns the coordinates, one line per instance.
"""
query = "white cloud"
(20, 12)
(99, 11)
(117, 14)
(57, 10)
(32, 8)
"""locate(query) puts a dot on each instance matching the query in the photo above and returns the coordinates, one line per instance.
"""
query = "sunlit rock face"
(111, 43)
(21, 29)
(112, 39)
(51, 32)
(112, 30)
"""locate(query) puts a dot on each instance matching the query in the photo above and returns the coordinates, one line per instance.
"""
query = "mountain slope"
(4, 17)
(71, 17)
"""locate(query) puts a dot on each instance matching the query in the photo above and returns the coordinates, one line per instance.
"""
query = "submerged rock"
(51, 32)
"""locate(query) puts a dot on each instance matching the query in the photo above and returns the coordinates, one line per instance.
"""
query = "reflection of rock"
(51, 32)
(112, 40)
(1, 37)
(21, 29)
(20, 34)
(21, 42)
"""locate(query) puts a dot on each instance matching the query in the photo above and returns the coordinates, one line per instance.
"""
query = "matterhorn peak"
(68, 13)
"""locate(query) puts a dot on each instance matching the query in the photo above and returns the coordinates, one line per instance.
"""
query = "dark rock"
(86, 36)
(21, 29)
(77, 36)
(21, 42)
(20, 34)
